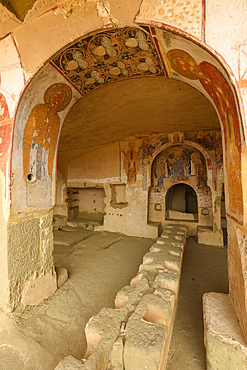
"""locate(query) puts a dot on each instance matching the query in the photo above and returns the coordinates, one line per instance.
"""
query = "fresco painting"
(179, 163)
(131, 163)
(5, 142)
(220, 92)
(210, 141)
(108, 57)
(4, 110)
(41, 132)
(5, 132)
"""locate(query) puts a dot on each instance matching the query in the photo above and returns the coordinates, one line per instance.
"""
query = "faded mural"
(194, 158)
(4, 110)
(41, 132)
(5, 141)
(219, 90)
(5, 133)
(179, 163)
(209, 140)
(12, 81)
(40, 141)
(131, 163)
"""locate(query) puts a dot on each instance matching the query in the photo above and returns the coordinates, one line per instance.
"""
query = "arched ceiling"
(126, 84)
(133, 107)
(125, 91)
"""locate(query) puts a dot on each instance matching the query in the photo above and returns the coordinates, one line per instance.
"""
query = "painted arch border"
(224, 69)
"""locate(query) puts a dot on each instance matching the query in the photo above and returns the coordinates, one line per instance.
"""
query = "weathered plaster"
(8, 21)
(39, 193)
(60, 31)
(61, 195)
(96, 165)
(225, 31)
(125, 11)
(186, 16)
(12, 79)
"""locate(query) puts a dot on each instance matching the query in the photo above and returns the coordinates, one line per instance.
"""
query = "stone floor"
(99, 265)
(204, 270)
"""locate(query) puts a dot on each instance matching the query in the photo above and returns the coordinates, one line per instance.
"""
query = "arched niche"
(174, 170)
(181, 203)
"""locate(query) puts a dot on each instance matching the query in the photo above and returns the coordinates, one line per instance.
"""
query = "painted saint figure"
(42, 129)
(131, 164)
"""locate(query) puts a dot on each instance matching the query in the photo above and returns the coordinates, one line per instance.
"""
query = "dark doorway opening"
(181, 200)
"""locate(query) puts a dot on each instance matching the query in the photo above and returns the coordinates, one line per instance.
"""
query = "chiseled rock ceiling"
(132, 105)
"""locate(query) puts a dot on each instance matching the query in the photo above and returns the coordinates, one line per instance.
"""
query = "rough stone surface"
(136, 335)
(210, 237)
(116, 355)
(104, 325)
(70, 363)
(146, 332)
(130, 295)
(226, 348)
(62, 276)
(168, 279)
(37, 289)
(59, 221)
(30, 245)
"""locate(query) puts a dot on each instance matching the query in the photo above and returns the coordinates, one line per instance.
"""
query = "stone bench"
(137, 333)
(224, 341)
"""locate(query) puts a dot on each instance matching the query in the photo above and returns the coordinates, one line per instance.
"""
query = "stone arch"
(181, 204)
(167, 61)
(168, 65)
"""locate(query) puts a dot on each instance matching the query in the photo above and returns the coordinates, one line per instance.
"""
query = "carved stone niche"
(118, 195)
